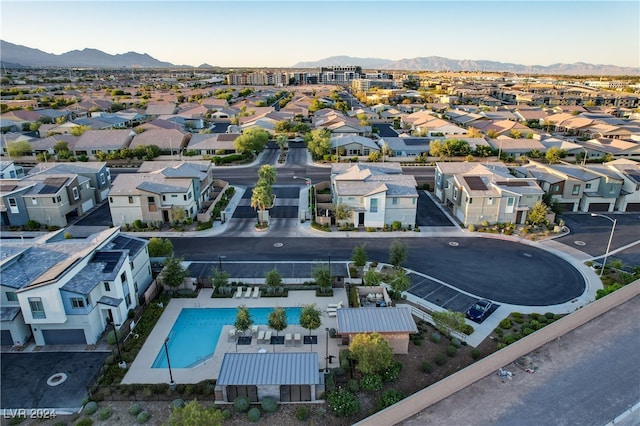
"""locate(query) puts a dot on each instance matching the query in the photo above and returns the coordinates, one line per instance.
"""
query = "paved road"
(499, 270)
(587, 377)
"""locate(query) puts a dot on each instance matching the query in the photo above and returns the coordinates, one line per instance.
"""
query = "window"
(12, 296)
(77, 302)
(102, 178)
(470, 200)
(130, 200)
(490, 201)
(189, 194)
(152, 204)
(455, 192)
(174, 195)
(106, 286)
(123, 277)
(414, 201)
(394, 201)
(37, 308)
(34, 201)
(59, 198)
(53, 200)
(12, 202)
(555, 188)
(184, 197)
(111, 200)
(135, 286)
(76, 194)
(587, 186)
(374, 205)
(575, 190)
(510, 201)
(127, 299)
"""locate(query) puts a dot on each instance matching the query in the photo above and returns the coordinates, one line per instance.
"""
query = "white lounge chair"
(248, 293)
(288, 339)
(232, 334)
(260, 336)
(335, 305)
(256, 292)
(332, 313)
(267, 337)
(254, 330)
(297, 339)
(239, 293)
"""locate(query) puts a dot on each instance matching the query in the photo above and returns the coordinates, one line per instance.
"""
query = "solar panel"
(475, 183)
(415, 142)
(109, 258)
(227, 137)
(7, 188)
(514, 183)
(52, 185)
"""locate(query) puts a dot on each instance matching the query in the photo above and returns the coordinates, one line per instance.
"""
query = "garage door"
(633, 207)
(295, 393)
(5, 338)
(87, 205)
(64, 337)
(598, 207)
(566, 207)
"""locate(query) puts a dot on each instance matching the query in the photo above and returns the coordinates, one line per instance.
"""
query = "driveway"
(25, 375)
(286, 205)
(428, 212)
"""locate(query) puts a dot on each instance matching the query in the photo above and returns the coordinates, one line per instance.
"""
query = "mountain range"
(13, 55)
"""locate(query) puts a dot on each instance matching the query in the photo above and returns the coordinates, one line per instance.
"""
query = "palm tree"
(261, 199)
(267, 175)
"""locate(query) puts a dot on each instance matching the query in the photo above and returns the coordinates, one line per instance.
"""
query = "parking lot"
(439, 294)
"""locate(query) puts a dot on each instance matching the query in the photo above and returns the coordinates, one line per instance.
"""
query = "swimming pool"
(194, 335)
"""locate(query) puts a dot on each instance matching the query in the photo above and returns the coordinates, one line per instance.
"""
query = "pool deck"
(140, 370)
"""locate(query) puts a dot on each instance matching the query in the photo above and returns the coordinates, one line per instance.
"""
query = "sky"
(268, 33)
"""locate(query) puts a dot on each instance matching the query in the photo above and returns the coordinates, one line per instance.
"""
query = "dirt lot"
(411, 379)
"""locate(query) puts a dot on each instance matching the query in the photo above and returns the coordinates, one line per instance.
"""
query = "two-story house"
(629, 171)
(378, 193)
(59, 291)
(97, 173)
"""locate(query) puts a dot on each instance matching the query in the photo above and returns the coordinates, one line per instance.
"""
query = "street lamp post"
(613, 228)
(115, 336)
(166, 351)
(307, 180)
(220, 262)
(326, 351)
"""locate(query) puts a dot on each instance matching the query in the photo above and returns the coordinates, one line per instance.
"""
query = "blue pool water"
(194, 335)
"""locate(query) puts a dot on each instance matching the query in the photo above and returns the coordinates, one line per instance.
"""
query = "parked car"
(480, 310)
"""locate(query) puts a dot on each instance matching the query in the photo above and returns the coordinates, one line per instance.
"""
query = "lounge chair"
(260, 336)
(335, 305)
(232, 334)
(256, 292)
(248, 293)
(254, 330)
(331, 309)
(288, 340)
(267, 337)
(332, 313)
(297, 339)
(239, 293)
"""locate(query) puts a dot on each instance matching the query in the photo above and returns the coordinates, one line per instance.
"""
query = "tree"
(310, 317)
(273, 280)
(278, 319)
(435, 149)
(173, 274)
(19, 148)
(534, 153)
(397, 253)
(159, 247)
(261, 199)
(243, 319)
(322, 276)
(359, 255)
(372, 278)
(515, 134)
(267, 175)
(386, 151)
(400, 281)
(79, 130)
(252, 140)
(178, 214)
(219, 278)
(281, 140)
(446, 321)
(456, 148)
(319, 142)
(343, 212)
(372, 353)
(472, 132)
(483, 151)
(282, 126)
(538, 213)
(195, 414)
(316, 105)
(555, 154)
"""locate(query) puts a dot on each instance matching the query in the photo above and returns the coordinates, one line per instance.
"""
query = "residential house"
(60, 291)
(407, 147)
(213, 143)
(97, 172)
(49, 199)
(479, 193)
(93, 141)
(170, 141)
(292, 376)
(629, 171)
(10, 170)
(574, 187)
(378, 193)
(395, 324)
(151, 198)
(337, 122)
(516, 148)
(618, 148)
(353, 145)
(156, 109)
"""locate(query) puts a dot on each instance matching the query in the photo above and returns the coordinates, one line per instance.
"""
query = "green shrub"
(517, 317)
(389, 398)
(343, 403)
(353, 386)
(84, 422)
(472, 228)
(451, 351)
(143, 417)
(302, 413)
(338, 372)
(549, 315)
(508, 339)
(105, 413)
(135, 409)
(269, 405)
(91, 408)
(392, 372)
(527, 331)
(435, 337)
(505, 324)
(177, 403)
(440, 358)
(241, 404)
(475, 354)
(371, 382)
(426, 367)
(226, 414)
(456, 342)
(498, 331)
(254, 414)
